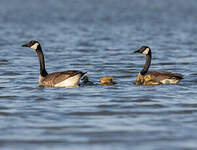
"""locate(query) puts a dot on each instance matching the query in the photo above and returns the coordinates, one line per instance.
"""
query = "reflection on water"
(99, 37)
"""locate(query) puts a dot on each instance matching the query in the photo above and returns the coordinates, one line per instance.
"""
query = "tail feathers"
(178, 76)
(82, 73)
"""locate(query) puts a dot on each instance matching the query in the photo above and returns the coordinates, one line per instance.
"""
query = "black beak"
(25, 45)
(138, 51)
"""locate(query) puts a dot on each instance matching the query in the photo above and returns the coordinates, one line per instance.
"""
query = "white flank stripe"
(169, 81)
(70, 82)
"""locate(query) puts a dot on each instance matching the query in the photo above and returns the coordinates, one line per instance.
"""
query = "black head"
(144, 50)
(32, 44)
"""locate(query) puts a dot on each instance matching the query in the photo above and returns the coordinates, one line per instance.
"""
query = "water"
(98, 36)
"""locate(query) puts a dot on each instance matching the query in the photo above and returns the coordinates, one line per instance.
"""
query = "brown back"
(57, 77)
(164, 75)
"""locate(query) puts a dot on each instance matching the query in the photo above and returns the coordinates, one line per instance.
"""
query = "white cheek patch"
(146, 51)
(34, 46)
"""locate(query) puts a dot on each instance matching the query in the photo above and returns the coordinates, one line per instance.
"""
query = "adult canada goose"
(68, 78)
(154, 78)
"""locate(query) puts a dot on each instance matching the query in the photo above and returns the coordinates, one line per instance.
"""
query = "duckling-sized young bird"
(65, 79)
(107, 81)
(154, 78)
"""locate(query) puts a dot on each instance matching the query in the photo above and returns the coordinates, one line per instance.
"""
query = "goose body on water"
(65, 79)
(154, 78)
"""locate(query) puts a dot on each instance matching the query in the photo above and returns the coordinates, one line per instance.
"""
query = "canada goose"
(154, 78)
(68, 78)
(107, 81)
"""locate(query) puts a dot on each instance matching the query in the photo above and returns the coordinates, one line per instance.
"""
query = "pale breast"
(41, 78)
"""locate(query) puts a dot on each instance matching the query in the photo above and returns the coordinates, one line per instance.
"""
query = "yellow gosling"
(107, 81)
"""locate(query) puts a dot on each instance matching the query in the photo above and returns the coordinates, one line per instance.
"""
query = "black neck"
(43, 71)
(147, 64)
